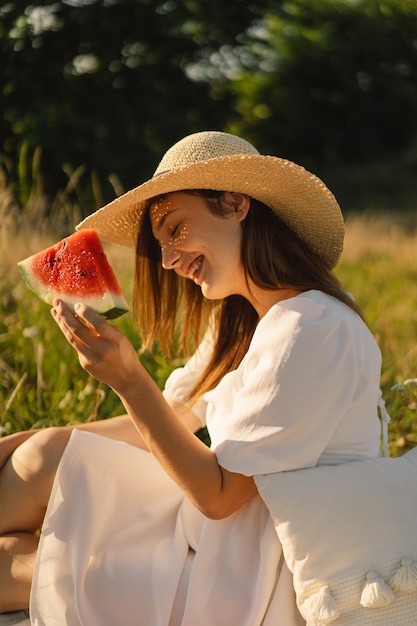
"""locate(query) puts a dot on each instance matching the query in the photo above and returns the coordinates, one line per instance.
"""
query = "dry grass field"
(42, 382)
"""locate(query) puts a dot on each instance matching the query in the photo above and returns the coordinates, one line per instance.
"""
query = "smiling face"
(202, 246)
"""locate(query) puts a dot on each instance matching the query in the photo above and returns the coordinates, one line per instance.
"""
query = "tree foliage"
(103, 83)
(110, 84)
(337, 79)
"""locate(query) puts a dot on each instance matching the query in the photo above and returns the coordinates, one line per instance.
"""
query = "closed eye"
(176, 230)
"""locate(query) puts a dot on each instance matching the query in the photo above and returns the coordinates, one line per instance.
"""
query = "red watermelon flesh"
(75, 269)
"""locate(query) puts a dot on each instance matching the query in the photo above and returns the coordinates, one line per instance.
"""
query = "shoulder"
(308, 309)
(311, 319)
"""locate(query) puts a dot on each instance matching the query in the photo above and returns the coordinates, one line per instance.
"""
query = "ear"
(239, 204)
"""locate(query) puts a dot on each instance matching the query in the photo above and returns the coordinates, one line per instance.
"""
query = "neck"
(262, 300)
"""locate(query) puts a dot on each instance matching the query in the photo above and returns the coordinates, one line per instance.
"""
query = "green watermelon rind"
(114, 313)
(110, 306)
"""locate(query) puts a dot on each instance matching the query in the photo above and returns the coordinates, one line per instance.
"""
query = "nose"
(170, 256)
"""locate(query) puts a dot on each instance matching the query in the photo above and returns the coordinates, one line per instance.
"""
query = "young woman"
(235, 252)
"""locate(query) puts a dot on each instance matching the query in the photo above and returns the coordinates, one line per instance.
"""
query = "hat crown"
(217, 160)
(203, 146)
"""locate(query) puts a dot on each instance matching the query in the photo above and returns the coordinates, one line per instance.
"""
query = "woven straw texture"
(224, 162)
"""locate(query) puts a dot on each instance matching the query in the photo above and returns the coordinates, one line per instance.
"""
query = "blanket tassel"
(376, 593)
(405, 577)
(321, 607)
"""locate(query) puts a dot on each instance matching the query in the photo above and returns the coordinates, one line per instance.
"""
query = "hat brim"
(298, 197)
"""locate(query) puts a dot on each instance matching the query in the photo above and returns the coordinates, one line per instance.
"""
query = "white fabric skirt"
(120, 545)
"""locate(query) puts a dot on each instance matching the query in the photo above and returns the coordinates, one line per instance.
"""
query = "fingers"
(80, 328)
(92, 320)
(103, 350)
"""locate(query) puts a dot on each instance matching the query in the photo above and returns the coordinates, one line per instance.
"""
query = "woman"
(286, 376)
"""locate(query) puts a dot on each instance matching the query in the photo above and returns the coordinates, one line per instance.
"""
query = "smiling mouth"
(194, 269)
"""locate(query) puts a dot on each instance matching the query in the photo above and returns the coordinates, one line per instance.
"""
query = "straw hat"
(220, 161)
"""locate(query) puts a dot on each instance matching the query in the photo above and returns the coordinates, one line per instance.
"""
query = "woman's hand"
(103, 350)
(107, 355)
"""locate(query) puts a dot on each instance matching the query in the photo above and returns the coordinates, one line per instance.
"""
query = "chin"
(208, 293)
(214, 294)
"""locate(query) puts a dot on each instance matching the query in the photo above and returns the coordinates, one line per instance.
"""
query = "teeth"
(194, 267)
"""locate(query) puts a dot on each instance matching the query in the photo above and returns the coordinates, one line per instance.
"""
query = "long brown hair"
(172, 310)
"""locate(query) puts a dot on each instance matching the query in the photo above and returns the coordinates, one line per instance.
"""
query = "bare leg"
(120, 428)
(26, 477)
(25, 484)
(17, 560)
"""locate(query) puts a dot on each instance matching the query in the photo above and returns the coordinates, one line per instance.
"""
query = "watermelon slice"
(75, 269)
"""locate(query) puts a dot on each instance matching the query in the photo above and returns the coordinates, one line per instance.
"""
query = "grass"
(379, 266)
(43, 384)
(41, 380)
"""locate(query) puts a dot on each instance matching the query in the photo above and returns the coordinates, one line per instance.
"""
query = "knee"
(40, 455)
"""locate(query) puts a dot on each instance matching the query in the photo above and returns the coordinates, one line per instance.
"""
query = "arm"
(108, 355)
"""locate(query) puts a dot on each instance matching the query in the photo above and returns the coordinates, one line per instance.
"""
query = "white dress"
(121, 545)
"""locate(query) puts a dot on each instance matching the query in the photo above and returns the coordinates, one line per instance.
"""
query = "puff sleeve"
(180, 382)
(310, 377)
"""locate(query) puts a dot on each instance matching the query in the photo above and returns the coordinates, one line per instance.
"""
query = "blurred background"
(92, 93)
